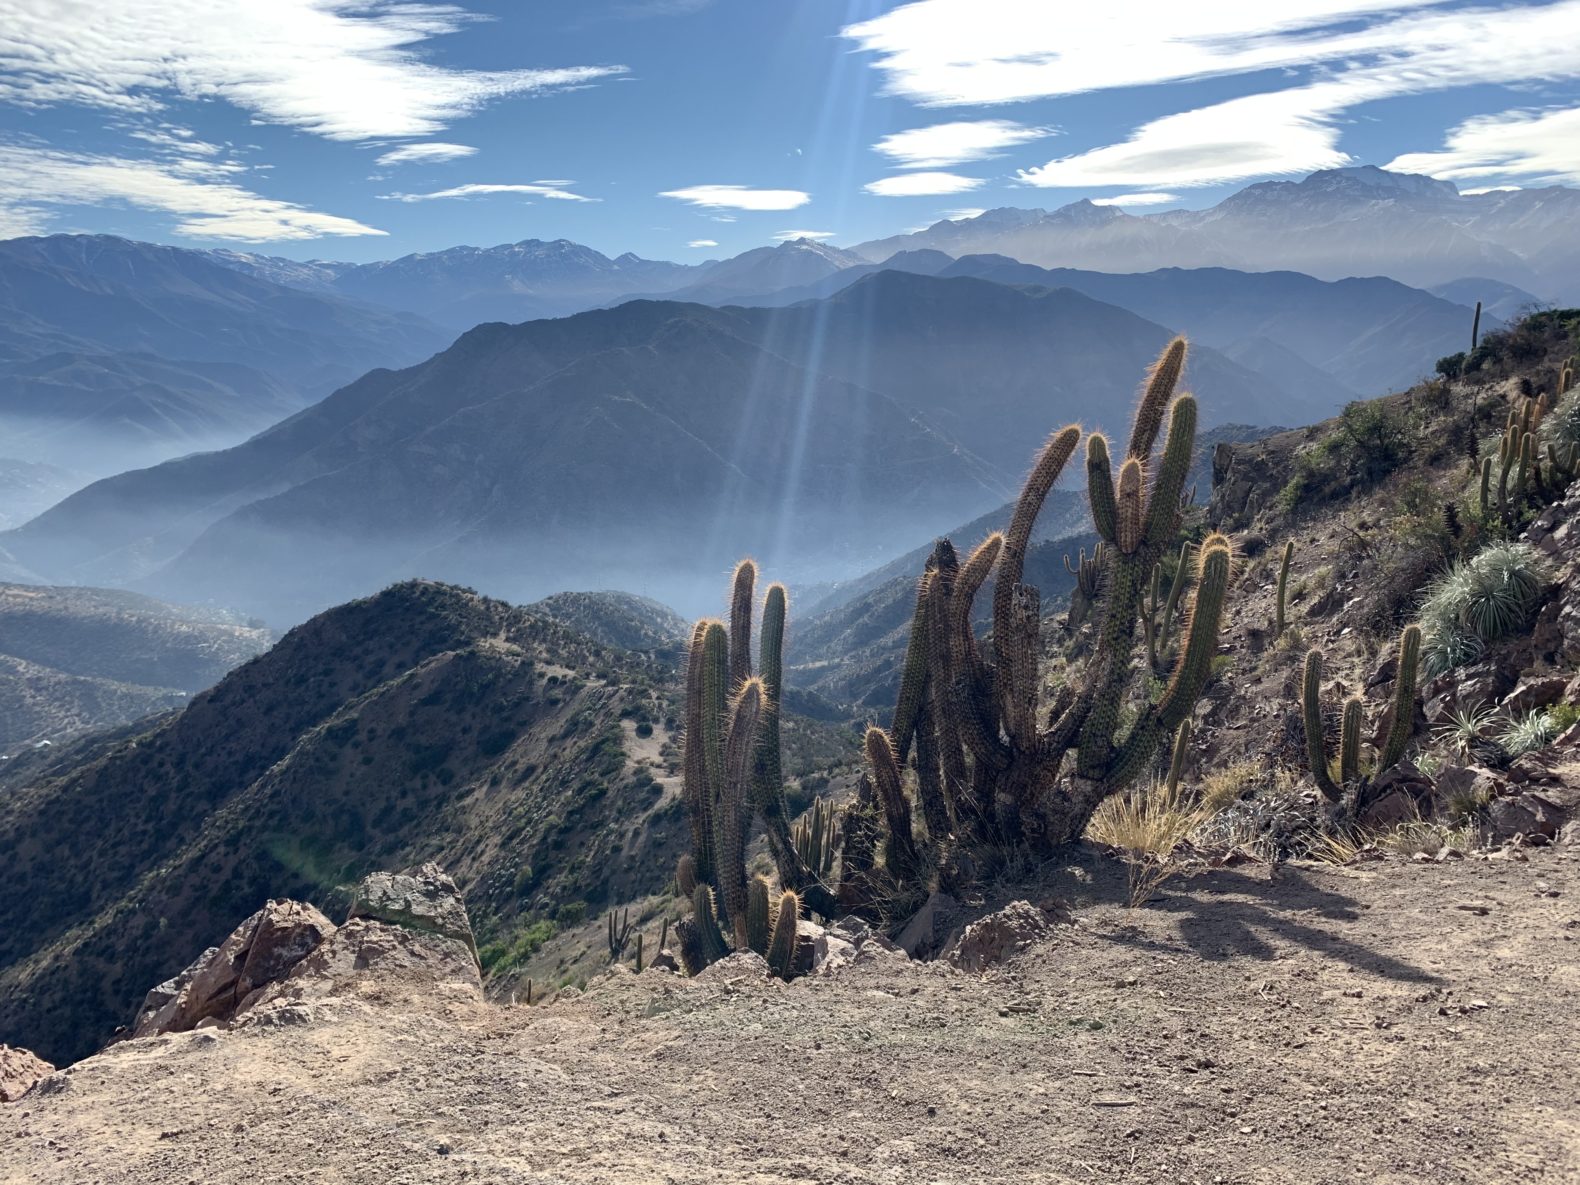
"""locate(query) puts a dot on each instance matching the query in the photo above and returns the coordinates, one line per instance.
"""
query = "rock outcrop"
(20, 1070)
(410, 928)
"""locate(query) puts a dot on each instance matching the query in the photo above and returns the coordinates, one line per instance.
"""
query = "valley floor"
(1384, 1022)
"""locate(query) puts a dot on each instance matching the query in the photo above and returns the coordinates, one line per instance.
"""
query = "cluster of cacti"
(815, 837)
(1566, 375)
(1350, 779)
(1526, 470)
(619, 935)
(990, 748)
(989, 755)
(1087, 573)
(1283, 588)
(1159, 630)
(731, 772)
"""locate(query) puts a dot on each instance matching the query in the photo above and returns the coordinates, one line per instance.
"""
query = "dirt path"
(1306, 1025)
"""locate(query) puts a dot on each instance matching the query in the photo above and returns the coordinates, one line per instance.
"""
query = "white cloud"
(965, 214)
(434, 152)
(945, 144)
(1137, 199)
(702, 243)
(483, 190)
(739, 197)
(33, 179)
(343, 69)
(921, 184)
(1297, 130)
(1539, 147)
(951, 52)
(969, 52)
(787, 236)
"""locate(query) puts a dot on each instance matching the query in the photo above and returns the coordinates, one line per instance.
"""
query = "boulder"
(260, 951)
(374, 955)
(1536, 691)
(742, 964)
(1002, 935)
(424, 899)
(1523, 815)
(923, 936)
(20, 1069)
(1476, 686)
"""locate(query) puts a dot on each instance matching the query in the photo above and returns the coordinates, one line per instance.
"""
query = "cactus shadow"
(1225, 914)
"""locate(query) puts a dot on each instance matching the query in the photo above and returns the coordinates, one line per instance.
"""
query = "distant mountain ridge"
(1361, 221)
(117, 354)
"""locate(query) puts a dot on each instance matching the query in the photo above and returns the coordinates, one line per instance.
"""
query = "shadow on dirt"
(1227, 914)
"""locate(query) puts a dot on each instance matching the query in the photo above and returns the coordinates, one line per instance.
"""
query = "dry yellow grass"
(1146, 824)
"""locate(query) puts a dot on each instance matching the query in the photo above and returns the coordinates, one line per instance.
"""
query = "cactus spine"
(782, 943)
(1283, 586)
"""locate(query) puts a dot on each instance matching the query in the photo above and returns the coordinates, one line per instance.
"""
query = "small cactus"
(782, 943)
(1350, 778)
(1182, 740)
(757, 921)
(619, 934)
(1283, 587)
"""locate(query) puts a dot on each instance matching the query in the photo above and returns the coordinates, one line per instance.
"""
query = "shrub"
(1490, 597)
(1524, 734)
(1562, 425)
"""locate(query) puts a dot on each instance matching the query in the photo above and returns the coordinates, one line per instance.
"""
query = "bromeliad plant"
(980, 760)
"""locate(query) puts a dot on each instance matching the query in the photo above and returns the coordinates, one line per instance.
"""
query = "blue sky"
(688, 129)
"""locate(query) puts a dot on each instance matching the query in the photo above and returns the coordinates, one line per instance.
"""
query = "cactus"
(1001, 768)
(1181, 752)
(815, 838)
(1283, 587)
(731, 763)
(663, 935)
(782, 943)
(757, 923)
(688, 945)
(1403, 722)
(619, 934)
(1160, 632)
(704, 916)
(639, 963)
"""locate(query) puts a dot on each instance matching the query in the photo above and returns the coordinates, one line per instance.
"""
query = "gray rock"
(424, 899)
(1524, 815)
(924, 934)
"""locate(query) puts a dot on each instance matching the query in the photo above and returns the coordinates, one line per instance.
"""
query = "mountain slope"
(425, 722)
(143, 351)
(651, 430)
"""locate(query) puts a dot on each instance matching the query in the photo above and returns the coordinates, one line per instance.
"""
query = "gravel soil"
(1383, 1022)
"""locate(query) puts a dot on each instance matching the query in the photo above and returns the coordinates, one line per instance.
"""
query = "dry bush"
(1146, 824)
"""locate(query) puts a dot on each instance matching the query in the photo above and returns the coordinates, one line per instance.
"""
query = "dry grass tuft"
(1146, 825)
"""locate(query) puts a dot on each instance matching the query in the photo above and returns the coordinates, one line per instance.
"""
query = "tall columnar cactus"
(1087, 573)
(1159, 630)
(1403, 722)
(977, 726)
(1283, 587)
(782, 943)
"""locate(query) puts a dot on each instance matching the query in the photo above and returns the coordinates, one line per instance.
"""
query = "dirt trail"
(1299, 1024)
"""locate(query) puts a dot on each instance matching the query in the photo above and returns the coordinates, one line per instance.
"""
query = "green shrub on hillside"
(1494, 595)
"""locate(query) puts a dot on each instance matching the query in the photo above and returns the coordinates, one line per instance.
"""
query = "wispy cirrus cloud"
(435, 152)
(702, 243)
(955, 143)
(1538, 147)
(739, 197)
(921, 184)
(342, 69)
(542, 189)
(1137, 199)
(789, 236)
(1337, 55)
(35, 181)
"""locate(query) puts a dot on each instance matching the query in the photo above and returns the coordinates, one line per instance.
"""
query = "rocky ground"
(1389, 1021)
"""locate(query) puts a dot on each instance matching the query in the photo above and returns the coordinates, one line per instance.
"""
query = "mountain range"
(1361, 221)
(116, 354)
(644, 447)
